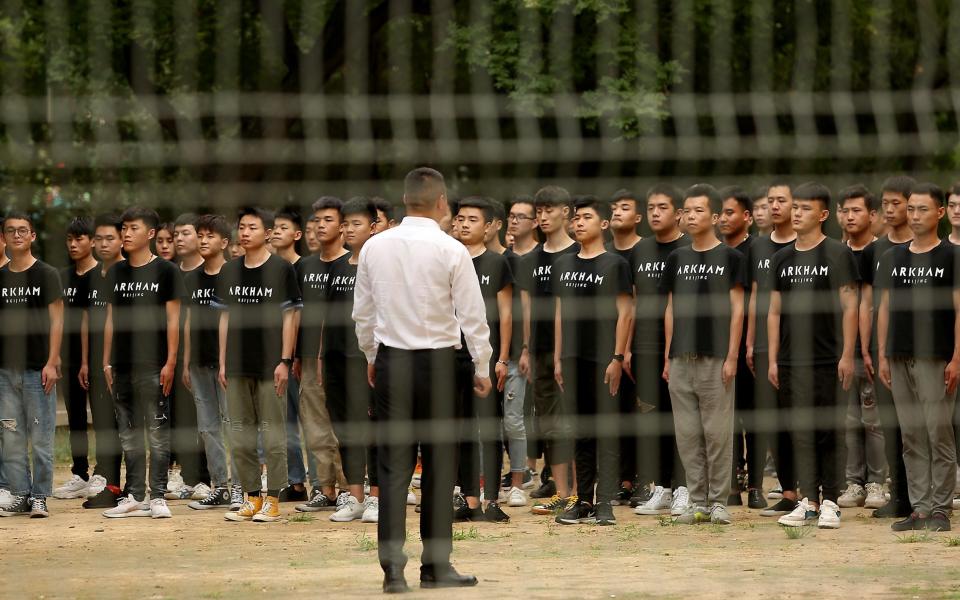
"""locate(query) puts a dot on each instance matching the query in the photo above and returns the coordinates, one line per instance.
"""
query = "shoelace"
(267, 507)
(39, 504)
(656, 498)
(212, 498)
(341, 500)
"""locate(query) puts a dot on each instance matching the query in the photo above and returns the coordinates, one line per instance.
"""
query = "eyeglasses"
(17, 231)
(519, 218)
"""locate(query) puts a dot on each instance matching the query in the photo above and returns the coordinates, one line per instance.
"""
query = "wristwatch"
(618, 357)
(287, 361)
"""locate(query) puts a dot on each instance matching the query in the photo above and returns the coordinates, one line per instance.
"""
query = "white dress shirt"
(417, 289)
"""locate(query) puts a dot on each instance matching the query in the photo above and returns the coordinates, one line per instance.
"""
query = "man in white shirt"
(416, 290)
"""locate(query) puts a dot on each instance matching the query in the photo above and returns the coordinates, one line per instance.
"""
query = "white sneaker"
(802, 515)
(411, 497)
(350, 510)
(875, 496)
(201, 491)
(776, 493)
(517, 497)
(159, 509)
(98, 483)
(371, 512)
(829, 515)
(128, 507)
(184, 492)
(853, 496)
(75, 488)
(174, 480)
(6, 499)
(658, 504)
(681, 499)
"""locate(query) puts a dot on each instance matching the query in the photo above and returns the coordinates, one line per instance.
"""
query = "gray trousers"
(703, 418)
(925, 411)
(253, 404)
(866, 457)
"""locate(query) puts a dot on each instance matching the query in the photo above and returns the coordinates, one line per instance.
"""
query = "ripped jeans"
(28, 416)
(212, 421)
(141, 405)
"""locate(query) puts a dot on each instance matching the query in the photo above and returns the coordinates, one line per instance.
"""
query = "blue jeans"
(141, 406)
(212, 419)
(514, 391)
(28, 415)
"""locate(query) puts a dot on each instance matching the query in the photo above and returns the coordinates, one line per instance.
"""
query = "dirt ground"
(79, 554)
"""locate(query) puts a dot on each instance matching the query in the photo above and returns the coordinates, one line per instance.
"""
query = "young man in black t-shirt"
(75, 351)
(659, 461)
(811, 329)
(140, 341)
(703, 323)
(594, 304)
(920, 356)
(536, 356)
(894, 194)
(31, 302)
(344, 367)
(105, 482)
(483, 416)
(258, 295)
(953, 214)
(201, 360)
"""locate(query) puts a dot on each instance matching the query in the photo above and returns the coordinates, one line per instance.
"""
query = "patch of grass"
(716, 528)
(796, 533)
(665, 521)
(951, 542)
(460, 535)
(552, 528)
(302, 518)
(915, 537)
(365, 543)
(631, 532)
(295, 564)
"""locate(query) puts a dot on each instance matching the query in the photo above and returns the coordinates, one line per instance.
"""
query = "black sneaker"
(755, 499)
(604, 514)
(38, 510)
(623, 496)
(783, 507)
(938, 521)
(735, 499)
(547, 490)
(640, 495)
(465, 513)
(459, 500)
(292, 494)
(319, 502)
(912, 523)
(495, 514)
(20, 507)
(576, 511)
(104, 499)
(893, 510)
(217, 498)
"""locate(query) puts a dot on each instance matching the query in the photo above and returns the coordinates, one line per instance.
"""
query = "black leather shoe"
(445, 578)
(394, 582)
(755, 499)
(893, 510)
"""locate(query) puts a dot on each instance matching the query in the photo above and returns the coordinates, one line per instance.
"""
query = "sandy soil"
(78, 553)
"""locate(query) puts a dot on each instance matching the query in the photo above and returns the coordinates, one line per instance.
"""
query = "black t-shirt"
(758, 267)
(869, 261)
(313, 274)
(493, 271)
(811, 317)
(26, 298)
(588, 290)
(701, 284)
(534, 276)
(204, 318)
(921, 287)
(647, 261)
(76, 294)
(139, 297)
(624, 254)
(97, 305)
(256, 300)
(744, 249)
(339, 334)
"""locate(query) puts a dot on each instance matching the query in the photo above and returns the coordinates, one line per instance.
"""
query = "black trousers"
(656, 439)
(479, 423)
(749, 429)
(104, 414)
(186, 446)
(629, 413)
(811, 394)
(596, 428)
(415, 392)
(75, 399)
(350, 404)
(892, 439)
(781, 442)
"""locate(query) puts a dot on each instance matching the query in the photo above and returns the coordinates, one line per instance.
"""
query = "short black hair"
(265, 216)
(587, 201)
(19, 215)
(186, 219)
(665, 189)
(737, 193)
(108, 220)
(166, 226)
(292, 214)
(80, 226)
(215, 224)
(705, 189)
(523, 199)
(858, 190)
(779, 183)
(422, 186)
(360, 205)
(760, 193)
(813, 191)
(477, 202)
(625, 194)
(551, 195)
(149, 216)
(954, 191)
(499, 212)
(898, 184)
(929, 189)
(383, 205)
(324, 202)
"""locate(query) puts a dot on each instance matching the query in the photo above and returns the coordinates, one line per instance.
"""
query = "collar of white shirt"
(420, 222)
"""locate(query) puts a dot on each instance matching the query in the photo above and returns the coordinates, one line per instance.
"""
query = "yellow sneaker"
(550, 506)
(269, 512)
(250, 507)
